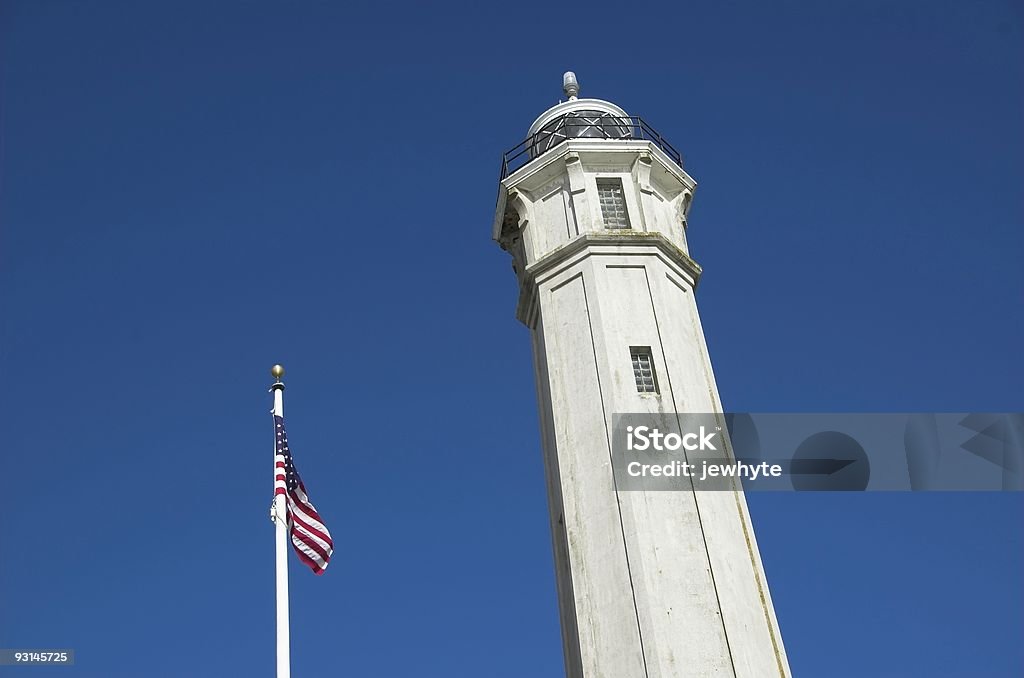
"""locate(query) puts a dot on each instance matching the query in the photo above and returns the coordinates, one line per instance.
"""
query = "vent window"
(613, 203)
(643, 369)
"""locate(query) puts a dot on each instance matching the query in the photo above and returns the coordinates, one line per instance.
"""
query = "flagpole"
(279, 514)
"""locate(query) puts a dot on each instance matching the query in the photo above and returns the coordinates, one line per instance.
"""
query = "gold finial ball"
(277, 371)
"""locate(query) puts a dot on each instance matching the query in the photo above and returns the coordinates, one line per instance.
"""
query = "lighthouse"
(593, 208)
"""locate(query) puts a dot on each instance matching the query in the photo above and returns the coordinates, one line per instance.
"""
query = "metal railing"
(624, 128)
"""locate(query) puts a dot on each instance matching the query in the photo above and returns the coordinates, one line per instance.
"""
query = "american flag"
(310, 538)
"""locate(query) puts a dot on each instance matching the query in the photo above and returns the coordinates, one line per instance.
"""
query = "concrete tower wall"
(652, 584)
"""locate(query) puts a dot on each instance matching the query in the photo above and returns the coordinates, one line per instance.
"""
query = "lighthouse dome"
(577, 119)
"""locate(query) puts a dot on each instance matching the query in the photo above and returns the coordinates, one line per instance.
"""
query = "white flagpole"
(279, 514)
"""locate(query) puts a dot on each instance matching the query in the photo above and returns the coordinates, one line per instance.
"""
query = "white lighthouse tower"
(593, 208)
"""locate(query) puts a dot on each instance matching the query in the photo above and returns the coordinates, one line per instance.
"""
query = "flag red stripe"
(315, 566)
(306, 506)
(313, 546)
(312, 530)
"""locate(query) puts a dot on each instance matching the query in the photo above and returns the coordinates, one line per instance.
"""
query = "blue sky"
(194, 191)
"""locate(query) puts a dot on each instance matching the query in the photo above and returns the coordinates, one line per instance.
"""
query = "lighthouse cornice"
(591, 153)
(607, 244)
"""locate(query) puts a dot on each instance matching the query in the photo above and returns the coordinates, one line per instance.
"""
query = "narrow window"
(643, 369)
(613, 203)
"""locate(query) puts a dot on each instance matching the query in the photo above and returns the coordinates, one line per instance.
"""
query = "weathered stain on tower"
(593, 208)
